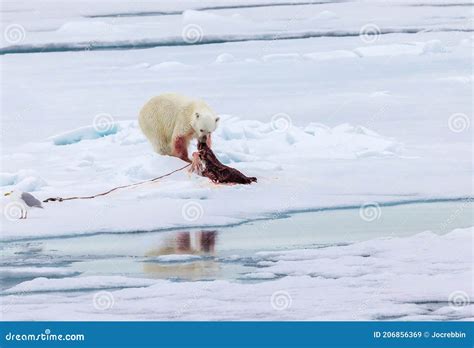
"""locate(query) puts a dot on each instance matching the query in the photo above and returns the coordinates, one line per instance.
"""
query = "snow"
(326, 121)
(408, 278)
(43, 284)
(24, 272)
(281, 57)
(168, 66)
(326, 15)
(331, 55)
(73, 30)
(23, 180)
(330, 106)
(390, 50)
(259, 275)
(225, 58)
(260, 149)
(87, 132)
(174, 258)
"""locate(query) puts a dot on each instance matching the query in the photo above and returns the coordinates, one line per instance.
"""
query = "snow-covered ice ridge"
(337, 88)
(76, 30)
(92, 159)
(422, 277)
(403, 86)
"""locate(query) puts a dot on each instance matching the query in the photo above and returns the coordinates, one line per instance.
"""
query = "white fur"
(165, 118)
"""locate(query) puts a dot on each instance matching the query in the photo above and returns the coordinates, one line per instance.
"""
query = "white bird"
(26, 200)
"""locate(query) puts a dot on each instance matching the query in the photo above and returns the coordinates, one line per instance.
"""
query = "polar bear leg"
(180, 147)
(159, 147)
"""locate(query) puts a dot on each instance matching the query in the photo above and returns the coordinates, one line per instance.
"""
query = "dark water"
(225, 253)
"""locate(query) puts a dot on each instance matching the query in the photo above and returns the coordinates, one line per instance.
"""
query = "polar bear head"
(204, 122)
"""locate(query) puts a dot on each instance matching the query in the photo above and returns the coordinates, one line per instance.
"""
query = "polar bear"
(170, 121)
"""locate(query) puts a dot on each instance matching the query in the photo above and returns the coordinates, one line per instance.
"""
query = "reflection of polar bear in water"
(170, 121)
(200, 243)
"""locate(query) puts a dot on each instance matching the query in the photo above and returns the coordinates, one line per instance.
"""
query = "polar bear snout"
(203, 135)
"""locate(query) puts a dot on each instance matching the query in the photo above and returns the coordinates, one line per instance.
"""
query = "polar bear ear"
(217, 119)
